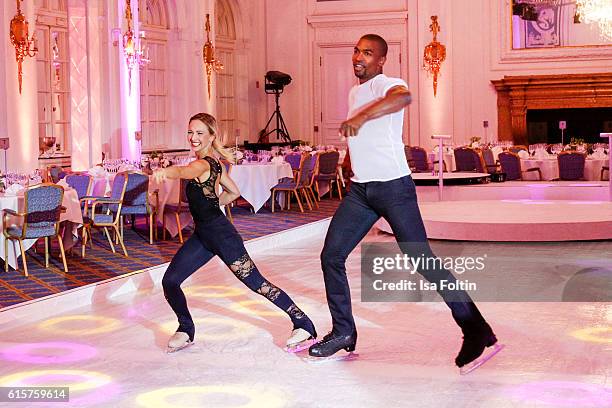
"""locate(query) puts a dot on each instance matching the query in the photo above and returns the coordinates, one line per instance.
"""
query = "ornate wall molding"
(348, 20)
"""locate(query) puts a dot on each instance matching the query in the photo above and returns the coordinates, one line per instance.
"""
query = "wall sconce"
(435, 54)
(208, 52)
(135, 54)
(20, 38)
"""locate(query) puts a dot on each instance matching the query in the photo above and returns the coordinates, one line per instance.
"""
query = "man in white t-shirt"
(382, 187)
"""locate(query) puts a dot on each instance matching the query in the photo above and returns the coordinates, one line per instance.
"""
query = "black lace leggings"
(219, 237)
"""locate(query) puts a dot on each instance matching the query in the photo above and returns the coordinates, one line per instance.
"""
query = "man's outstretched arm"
(396, 99)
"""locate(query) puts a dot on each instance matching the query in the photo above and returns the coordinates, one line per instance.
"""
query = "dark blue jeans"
(218, 236)
(396, 202)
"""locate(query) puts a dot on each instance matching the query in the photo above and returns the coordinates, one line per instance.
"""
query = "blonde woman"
(215, 235)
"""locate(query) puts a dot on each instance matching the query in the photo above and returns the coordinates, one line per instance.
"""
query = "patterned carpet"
(100, 263)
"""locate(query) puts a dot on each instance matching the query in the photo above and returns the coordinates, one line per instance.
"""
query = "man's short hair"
(381, 41)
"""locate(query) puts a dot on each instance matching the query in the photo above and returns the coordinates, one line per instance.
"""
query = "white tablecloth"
(101, 184)
(550, 168)
(449, 159)
(15, 203)
(255, 180)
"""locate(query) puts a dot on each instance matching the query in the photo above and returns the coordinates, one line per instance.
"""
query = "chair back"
(227, 164)
(43, 204)
(312, 169)
(328, 163)
(489, 159)
(511, 165)
(571, 165)
(81, 182)
(136, 197)
(306, 171)
(183, 191)
(136, 190)
(118, 190)
(294, 160)
(55, 173)
(418, 156)
(408, 155)
(347, 170)
(468, 159)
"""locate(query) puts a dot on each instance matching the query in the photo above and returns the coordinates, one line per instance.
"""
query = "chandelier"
(435, 54)
(135, 54)
(597, 12)
(208, 53)
(25, 46)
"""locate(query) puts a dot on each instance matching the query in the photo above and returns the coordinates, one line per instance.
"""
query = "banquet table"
(168, 193)
(449, 159)
(16, 203)
(255, 180)
(550, 168)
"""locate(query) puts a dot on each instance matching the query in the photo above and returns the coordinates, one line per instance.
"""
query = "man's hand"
(351, 127)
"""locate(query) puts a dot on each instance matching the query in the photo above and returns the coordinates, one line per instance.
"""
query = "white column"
(129, 89)
(21, 109)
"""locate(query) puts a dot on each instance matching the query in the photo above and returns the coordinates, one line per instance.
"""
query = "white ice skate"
(299, 340)
(488, 354)
(178, 341)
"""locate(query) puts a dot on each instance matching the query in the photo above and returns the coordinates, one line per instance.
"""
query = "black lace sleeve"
(208, 186)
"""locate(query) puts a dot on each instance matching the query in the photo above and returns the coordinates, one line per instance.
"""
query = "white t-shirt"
(377, 152)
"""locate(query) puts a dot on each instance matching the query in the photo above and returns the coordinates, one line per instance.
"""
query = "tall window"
(52, 64)
(225, 43)
(153, 15)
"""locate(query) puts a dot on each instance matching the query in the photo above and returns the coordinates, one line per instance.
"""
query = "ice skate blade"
(170, 350)
(350, 356)
(486, 356)
(296, 348)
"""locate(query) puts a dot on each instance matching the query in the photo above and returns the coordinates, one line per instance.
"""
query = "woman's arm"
(192, 170)
(230, 189)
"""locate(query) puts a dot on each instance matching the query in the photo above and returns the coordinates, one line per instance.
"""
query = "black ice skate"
(472, 354)
(326, 349)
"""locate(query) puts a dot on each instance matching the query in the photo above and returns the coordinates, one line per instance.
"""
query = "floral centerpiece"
(475, 141)
(155, 160)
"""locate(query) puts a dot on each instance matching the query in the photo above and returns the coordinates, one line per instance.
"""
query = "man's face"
(367, 60)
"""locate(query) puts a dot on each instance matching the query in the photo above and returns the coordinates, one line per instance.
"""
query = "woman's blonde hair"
(211, 124)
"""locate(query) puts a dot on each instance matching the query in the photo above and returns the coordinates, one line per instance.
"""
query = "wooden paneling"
(517, 94)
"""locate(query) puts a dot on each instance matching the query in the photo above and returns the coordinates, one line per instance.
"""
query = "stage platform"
(520, 190)
(459, 178)
(109, 346)
(517, 211)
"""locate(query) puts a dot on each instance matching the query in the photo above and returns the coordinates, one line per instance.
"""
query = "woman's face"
(199, 136)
